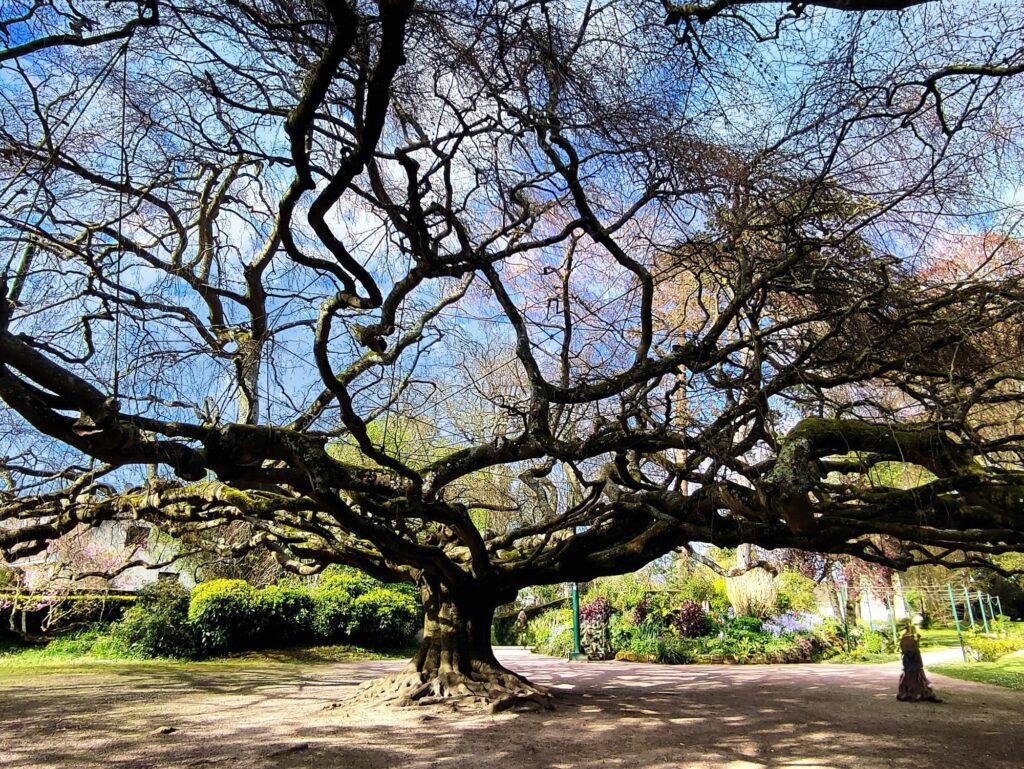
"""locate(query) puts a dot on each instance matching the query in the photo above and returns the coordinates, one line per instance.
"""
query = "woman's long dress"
(914, 686)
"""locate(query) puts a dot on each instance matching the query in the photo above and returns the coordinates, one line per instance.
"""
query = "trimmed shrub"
(354, 584)
(285, 615)
(383, 617)
(157, 624)
(332, 612)
(226, 615)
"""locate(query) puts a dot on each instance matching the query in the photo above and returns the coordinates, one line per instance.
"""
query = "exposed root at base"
(495, 692)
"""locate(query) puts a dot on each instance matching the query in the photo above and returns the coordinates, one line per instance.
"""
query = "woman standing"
(914, 686)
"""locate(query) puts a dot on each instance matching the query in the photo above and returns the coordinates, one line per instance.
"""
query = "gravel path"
(610, 714)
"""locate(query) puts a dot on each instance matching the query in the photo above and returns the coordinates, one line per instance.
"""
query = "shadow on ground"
(609, 715)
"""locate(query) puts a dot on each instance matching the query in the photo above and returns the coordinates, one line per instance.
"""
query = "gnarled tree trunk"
(455, 663)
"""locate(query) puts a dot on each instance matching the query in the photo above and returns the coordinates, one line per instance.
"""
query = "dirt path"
(610, 715)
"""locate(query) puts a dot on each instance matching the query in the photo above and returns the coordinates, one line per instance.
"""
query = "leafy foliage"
(691, 621)
(383, 617)
(225, 614)
(989, 648)
(157, 625)
(597, 611)
(285, 615)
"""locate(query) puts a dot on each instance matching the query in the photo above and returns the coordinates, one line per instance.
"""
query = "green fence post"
(956, 620)
(844, 602)
(999, 603)
(576, 651)
(970, 611)
(890, 604)
(991, 608)
(981, 608)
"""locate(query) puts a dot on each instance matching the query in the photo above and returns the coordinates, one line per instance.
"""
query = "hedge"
(229, 615)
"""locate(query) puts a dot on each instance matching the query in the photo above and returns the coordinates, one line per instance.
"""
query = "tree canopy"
(581, 282)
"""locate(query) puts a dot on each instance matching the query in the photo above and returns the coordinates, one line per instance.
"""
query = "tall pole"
(846, 615)
(576, 620)
(999, 603)
(970, 611)
(991, 608)
(871, 621)
(956, 620)
(891, 606)
(981, 608)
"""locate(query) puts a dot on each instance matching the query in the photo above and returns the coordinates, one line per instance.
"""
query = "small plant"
(598, 611)
(791, 622)
(676, 651)
(690, 620)
(643, 610)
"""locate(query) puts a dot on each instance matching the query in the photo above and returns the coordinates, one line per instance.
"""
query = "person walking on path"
(914, 686)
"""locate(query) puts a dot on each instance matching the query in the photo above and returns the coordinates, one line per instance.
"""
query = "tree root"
(493, 690)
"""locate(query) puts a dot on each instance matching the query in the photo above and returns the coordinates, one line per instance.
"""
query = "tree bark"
(455, 664)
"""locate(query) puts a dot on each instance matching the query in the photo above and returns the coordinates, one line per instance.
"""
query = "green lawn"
(1008, 671)
(94, 648)
(939, 638)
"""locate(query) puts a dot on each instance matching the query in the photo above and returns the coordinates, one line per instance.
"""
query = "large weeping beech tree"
(483, 295)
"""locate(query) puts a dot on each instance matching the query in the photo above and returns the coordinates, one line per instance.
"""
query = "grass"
(1007, 672)
(939, 638)
(95, 648)
(861, 657)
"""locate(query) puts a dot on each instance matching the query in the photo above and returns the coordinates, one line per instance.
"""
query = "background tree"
(243, 234)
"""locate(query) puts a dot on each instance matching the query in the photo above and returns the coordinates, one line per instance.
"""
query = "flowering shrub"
(791, 622)
(691, 621)
(642, 610)
(984, 648)
(598, 611)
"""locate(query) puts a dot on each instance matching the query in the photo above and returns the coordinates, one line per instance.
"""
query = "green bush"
(355, 584)
(383, 617)
(621, 631)
(332, 612)
(226, 615)
(676, 651)
(285, 615)
(874, 642)
(645, 642)
(157, 625)
(550, 632)
(985, 648)
(795, 593)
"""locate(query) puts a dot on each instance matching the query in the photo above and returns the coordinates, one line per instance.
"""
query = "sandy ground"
(610, 714)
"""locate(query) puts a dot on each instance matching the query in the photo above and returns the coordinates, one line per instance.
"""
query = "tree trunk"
(455, 664)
